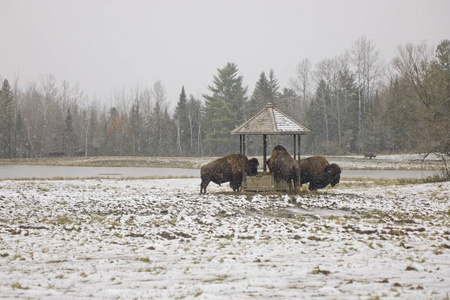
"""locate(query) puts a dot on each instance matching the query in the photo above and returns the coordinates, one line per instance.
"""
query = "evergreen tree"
(195, 129)
(348, 122)
(224, 110)
(289, 102)
(69, 138)
(114, 127)
(136, 129)
(274, 87)
(20, 136)
(182, 125)
(7, 121)
(317, 120)
(262, 94)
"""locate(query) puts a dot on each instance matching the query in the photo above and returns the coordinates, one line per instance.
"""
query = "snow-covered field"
(156, 239)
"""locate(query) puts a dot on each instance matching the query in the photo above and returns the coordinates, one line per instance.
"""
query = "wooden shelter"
(270, 121)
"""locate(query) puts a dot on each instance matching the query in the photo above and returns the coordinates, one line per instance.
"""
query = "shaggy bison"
(284, 167)
(319, 173)
(369, 155)
(228, 168)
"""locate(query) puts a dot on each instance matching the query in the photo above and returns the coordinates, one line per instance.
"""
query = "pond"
(48, 172)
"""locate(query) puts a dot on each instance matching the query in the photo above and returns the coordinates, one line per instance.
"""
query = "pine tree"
(182, 125)
(262, 94)
(7, 121)
(69, 142)
(20, 136)
(318, 119)
(274, 87)
(195, 129)
(224, 110)
(136, 128)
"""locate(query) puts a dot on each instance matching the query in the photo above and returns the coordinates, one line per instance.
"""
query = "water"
(48, 172)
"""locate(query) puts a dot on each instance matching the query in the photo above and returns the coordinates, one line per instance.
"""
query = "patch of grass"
(218, 278)
(198, 293)
(374, 213)
(154, 270)
(317, 270)
(438, 251)
(144, 259)
(96, 219)
(18, 257)
(396, 232)
(300, 218)
(62, 220)
(43, 189)
(17, 285)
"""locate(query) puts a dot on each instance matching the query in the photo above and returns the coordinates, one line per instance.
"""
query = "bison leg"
(203, 186)
(289, 182)
(313, 186)
(235, 186)
(296, 185)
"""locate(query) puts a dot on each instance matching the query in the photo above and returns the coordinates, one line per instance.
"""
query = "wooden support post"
(295, 147)
(300, 171)
(240, 144)
(264, 152)
(244, 145)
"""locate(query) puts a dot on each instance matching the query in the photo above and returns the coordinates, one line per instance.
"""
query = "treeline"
(351, 103)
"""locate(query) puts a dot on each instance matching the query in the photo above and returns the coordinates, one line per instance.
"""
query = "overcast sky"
(106, 46)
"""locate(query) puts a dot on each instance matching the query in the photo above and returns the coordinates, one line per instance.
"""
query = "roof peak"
(270, 120)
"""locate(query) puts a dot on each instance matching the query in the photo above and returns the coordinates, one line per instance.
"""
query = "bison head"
(252, 167)
(333, 174)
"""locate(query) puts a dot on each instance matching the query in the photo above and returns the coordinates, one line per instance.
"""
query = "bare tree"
(302, 81)
(329, 71)
(365, 60)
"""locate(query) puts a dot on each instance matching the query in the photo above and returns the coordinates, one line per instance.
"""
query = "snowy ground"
(156, 239)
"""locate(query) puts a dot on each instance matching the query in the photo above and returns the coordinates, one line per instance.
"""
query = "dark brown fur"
(284, 167)
(319, 172)
(370, 155)
(228, 169)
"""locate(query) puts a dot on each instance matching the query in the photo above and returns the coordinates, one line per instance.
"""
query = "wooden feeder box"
(263, 182)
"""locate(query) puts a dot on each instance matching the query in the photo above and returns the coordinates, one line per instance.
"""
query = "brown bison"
(319, 173)
(228, 168)
(369, 155)
(284, 167)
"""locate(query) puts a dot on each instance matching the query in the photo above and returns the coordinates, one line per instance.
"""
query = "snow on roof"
(270, 120)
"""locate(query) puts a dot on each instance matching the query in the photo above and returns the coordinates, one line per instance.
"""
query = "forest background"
(352, 103)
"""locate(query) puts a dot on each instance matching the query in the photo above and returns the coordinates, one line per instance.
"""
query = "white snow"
(157, 239)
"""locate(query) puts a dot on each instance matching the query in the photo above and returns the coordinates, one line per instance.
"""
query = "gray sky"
(106, 46)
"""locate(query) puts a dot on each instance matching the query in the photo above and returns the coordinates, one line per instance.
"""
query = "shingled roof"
(270, 120)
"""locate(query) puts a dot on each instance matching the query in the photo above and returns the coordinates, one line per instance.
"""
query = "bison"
(369, 155)
(228, 168)
(284, 167)
(318, 172)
